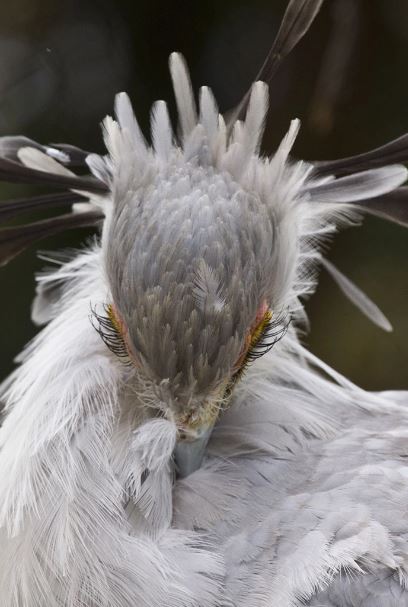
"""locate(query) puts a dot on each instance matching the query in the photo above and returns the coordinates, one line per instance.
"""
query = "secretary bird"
(167, 440)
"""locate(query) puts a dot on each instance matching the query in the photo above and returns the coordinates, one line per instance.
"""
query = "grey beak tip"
(188, 455)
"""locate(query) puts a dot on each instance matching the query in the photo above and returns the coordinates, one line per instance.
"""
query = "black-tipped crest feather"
(391, 153)
(12, 208)
(296, 21)
(392, 206)
(76, 156)
(13, 172)
(14, 240)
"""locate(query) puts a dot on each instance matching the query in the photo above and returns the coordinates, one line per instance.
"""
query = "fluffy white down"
(303, 494)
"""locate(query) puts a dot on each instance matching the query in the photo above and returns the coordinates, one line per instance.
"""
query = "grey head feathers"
(187, 258)
(191, 246)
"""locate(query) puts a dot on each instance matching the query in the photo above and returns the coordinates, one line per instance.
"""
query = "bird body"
(302, 495)
(156, 450)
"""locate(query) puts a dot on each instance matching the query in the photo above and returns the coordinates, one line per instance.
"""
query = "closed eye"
(266, 335)
(261, 340)
(108, 328)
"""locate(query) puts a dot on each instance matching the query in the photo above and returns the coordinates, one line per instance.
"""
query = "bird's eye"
(265, 333)
(108, 327)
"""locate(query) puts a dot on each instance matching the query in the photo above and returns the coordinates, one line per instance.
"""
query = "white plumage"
(302, 496)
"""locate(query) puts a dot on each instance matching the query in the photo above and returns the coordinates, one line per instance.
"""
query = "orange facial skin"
(120, 328)
(255, 331)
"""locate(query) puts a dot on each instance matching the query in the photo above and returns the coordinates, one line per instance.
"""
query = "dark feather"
(392, 206)
(391, 153)
(12, 208)
(77, 156)
(13, 172)
(296, 21)
(14, 240)
(65, 153)
(10, 145)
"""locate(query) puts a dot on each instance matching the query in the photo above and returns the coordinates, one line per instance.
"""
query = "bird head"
(192, 248)
(207, 245)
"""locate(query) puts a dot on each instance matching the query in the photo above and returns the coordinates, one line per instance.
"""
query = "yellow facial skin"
(115, 319)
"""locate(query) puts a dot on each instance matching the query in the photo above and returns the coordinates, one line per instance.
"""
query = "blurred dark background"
(61, 64)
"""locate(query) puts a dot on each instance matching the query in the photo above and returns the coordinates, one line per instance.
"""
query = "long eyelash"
(272, 332)
(110, 334)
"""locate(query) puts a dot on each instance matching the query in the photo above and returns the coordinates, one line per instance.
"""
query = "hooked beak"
(189, 452)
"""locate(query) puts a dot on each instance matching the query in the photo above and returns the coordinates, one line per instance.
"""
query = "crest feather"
(184, 93)
(162, 133)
